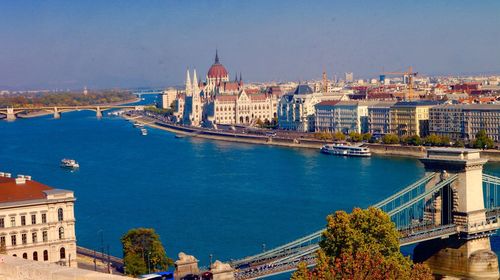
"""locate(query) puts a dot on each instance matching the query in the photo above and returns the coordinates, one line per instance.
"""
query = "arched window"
(35, 256)
(14, 255)
(60, 215)
(61, 233)
(25, 255)
(45, 255)
(62, 253)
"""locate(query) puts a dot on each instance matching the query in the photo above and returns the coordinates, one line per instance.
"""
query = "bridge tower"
(10, 114)
(468, 254)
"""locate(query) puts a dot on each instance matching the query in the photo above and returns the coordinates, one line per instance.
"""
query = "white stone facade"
(41, 229)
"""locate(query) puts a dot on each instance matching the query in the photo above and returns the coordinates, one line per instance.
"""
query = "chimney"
(20, 179)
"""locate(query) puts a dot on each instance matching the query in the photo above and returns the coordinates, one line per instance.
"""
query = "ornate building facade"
(221, 101)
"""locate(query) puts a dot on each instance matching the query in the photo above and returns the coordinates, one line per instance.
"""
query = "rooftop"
(23, 189)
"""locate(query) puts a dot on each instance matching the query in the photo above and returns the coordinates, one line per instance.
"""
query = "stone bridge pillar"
(186, 264)
(464, 255)
(57, 114)
(98, 112)
(10, 114)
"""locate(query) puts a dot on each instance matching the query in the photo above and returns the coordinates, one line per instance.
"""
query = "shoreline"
(376, 149)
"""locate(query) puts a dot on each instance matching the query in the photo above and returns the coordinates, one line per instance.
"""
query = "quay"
(308, 143)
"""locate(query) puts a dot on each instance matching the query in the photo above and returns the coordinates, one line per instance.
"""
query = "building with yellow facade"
(408, 118)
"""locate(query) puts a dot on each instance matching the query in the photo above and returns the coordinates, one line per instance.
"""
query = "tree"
(483, 141)
(143, 250)
(3, 249)
(433, 140)
(259, 122)
(361, 245)
(355, 136)
(415, 140)
(323, 136)
(459, 144)
(390, 139)
(370, 230)
(367, 137)
(338, 136)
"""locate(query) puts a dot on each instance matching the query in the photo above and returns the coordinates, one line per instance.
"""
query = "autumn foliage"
(361, 245)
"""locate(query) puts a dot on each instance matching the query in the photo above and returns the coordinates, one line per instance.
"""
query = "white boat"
(69, 163)
(144, 131)
(345, 150)
(139, 125)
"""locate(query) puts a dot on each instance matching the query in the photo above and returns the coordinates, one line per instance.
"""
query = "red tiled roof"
(226, 98)
(231, 86)
(251, 90)
(328, 103)
(11, 192)
(258, 96)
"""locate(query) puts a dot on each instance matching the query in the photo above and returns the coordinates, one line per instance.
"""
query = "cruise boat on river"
(144, 131)
(345, 150)
(69, 163)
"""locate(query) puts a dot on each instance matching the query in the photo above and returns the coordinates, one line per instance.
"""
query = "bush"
(483, 141)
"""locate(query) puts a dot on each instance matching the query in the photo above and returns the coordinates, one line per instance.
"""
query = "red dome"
(217, 70)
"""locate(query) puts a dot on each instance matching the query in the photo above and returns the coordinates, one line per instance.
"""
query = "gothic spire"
(196, 89)
(241, 79)
(188, 83)
(216, 57)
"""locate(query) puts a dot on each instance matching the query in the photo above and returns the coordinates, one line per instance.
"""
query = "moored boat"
(144, 131)
(345, 150)
(69, 163)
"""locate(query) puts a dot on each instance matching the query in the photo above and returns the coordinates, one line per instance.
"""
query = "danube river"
(203, 197)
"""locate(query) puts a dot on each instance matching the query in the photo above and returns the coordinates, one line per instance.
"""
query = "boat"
(69, 163)
(345, 150)
(139, 125)
(180, 136)
(144, 131)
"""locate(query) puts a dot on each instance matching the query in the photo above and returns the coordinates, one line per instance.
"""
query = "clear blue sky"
(69, 44)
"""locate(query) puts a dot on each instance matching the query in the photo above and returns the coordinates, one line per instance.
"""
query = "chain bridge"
(450, 214)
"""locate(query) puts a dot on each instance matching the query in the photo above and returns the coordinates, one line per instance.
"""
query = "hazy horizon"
(105, 44)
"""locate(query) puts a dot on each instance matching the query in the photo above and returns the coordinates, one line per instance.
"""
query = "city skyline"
(56, 44)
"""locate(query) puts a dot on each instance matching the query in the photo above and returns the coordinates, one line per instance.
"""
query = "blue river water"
(203, 197)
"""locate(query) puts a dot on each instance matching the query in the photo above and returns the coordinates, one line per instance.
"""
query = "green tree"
(338, 136)
(459, 144)
(390, 139)
(433, 140)
(483, 141)
(415, 140)
(259, 122)
(323, 136)
(356, 137)
(361, 245)
(367, 136)
(143, 250)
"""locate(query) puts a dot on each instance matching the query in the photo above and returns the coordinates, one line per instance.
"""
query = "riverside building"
(379, 118)
(36, 221)
(342, 116)
(464, 121)
(408, 118)
(221, 101)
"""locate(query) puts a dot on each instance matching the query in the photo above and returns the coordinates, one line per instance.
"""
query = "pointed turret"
(216, 57)
(236, 77)
(241, 79)
(189, 86)
(196, 89)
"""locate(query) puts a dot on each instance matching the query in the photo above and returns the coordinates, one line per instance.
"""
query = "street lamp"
(211, 258)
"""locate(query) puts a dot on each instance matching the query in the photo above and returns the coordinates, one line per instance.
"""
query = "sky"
(105, 44)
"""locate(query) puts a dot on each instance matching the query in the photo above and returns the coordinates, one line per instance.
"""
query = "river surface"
(203, 197)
